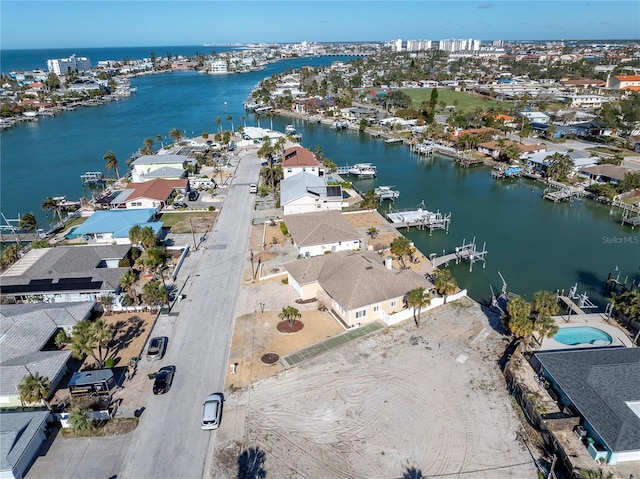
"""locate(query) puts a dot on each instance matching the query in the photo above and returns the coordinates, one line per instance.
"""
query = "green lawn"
(466, 101)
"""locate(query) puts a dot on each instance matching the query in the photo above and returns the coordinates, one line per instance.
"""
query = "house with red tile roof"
(297, 159)
(624, 82)
(493, 148)
(150, 194)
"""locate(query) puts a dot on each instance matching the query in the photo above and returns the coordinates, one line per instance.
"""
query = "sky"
(110, 23)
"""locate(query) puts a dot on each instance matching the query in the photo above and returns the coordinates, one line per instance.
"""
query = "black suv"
(193, 195)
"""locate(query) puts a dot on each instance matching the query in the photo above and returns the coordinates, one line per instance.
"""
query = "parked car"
(179, 204)
(253, 188)
(163, 380)
(156, 348)
(212, 411)
(193, 195)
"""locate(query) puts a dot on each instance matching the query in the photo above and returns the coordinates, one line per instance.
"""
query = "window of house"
(376, 308)
(394, 303)
(361, 314)
(289, 170)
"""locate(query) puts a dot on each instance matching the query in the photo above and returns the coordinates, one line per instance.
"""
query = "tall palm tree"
(91, 338)
(230, 118)
(418, 298)
(445, 283)
(128, 283)
(156, 256)
(219, 123)
(545, 327)
(518, 317)
(290, 314)
(175, 135)
(244, 120)
(159, 138)
(28, 222)
(49, 204)
(112, 163)
(34, 388)
(545, 303)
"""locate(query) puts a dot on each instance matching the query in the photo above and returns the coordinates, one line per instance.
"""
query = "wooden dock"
(420, 218)
(568, 302)
(467, 162)
(564, 194)
(465, 252)
(6, 238)
(633, 221)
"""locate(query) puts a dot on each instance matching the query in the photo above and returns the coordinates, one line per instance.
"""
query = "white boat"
(290, 130)
(363, 170)
(386, 193)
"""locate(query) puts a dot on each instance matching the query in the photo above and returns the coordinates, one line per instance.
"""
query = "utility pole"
(195, 245)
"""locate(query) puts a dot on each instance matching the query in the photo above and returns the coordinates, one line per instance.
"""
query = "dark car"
(179, 205)
(156, 348)
(193, 195)
(163, 381)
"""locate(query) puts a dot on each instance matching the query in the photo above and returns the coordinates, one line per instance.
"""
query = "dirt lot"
(400, 401)
(179, 222)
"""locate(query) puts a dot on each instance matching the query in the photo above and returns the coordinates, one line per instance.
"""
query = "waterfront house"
(624, 82)
(22, 433)
(66, 274)
(539, 162)
(149, 194)
(601, 388)
(358, 288)
(112, 226)
(305, 193)
(149, 167)
(27, 333)
(320, 232)
(605, 173)
(535, 117)
(298, 159)
(494, 148)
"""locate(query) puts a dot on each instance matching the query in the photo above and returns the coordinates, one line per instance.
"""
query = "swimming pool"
(582, 335)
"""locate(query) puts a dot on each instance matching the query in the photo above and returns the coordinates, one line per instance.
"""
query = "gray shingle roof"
(24, 330)
(17, 429)
(321, 227)
(599, 383)
(159, 159)
(355, 280)
(303, 184)
(65, 263)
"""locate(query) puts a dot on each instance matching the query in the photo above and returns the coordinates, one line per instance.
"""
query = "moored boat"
(363, 170)
(386, 193)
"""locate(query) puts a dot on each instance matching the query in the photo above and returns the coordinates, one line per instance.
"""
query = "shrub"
(124, 263)
(285, 281)
(109, 363)
(61, 338)
(212, 208)
(284, 229)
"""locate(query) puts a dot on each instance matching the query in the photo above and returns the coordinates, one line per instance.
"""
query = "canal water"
(533, 243)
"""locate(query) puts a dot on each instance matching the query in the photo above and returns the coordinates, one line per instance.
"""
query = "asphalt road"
(169, 441)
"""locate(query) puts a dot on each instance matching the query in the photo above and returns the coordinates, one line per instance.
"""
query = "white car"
(212, 411)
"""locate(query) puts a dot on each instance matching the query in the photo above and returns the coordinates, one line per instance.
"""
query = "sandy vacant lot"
(399, 402)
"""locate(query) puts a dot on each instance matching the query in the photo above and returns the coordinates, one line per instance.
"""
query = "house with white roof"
(298, 159)
(320, 232)
(535, 117)
(540, 161)
(360, 287)
(112, 226)
(305, 192)
(27, 329)
(65, 274)
(149, 167)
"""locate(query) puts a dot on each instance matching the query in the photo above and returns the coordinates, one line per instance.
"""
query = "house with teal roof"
(112, 226)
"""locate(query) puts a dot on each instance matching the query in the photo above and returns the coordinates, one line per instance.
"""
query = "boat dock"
(92, 178)
(511, 172)
(420, 219)
(583, 301)
(465, 252)
(422, 148)
(393, 141)
(565, 194)
(632, 221)
(467, 162)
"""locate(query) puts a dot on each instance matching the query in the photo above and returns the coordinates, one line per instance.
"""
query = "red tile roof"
(158, 189)
(298, 156)
(628, 77)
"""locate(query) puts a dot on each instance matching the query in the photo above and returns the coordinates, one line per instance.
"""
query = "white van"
(253, 188)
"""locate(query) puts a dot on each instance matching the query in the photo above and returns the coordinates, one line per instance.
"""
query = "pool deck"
(594, 320)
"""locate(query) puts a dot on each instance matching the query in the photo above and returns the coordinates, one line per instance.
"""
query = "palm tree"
(155, 259)
(175, 135)
(34, 388)
(91, 338)
(10, 254)
(219, 123)
(518, 317)
(79, 420)
(445, 283)
(373, 232)
(290, 314)
(418, 298)
(28, 222)
(128, 283)
(159, 138)
(106, 301)
(154, 293)
(545, 303)
(230, 118)
(545, 327)
(112, 163)
(49, 204)
(401, 247)
(244, 120)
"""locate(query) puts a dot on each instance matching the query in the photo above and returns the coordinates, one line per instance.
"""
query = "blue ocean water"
(534, 244)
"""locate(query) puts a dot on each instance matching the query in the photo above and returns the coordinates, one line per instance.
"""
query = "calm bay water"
(535, 244)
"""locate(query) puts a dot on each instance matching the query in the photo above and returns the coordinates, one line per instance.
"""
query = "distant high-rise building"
(418, 45)
(497, 43)
(399, 45)
(62, 66)
(459, 45)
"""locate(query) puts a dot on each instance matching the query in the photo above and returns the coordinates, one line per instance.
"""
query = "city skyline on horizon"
(142, 23)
